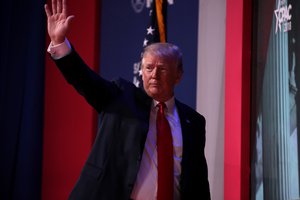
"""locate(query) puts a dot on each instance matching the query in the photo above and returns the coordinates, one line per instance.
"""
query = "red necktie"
(165, 163)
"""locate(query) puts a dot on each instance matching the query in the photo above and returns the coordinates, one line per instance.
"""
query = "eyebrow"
(158, 63)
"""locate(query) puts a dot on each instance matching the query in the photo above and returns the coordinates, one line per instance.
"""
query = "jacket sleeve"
(97, 91)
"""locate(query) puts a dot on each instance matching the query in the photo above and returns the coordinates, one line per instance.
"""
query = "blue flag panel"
(123, 28)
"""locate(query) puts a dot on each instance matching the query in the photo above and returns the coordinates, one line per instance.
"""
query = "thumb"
(69, 19)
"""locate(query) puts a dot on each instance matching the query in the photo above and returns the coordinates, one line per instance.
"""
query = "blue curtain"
(22, 29)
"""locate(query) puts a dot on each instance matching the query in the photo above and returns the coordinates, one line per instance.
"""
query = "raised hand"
(58, 21)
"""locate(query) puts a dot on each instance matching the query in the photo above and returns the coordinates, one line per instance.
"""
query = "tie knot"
(161, 107)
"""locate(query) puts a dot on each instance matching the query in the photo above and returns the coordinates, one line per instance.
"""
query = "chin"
(153, 95)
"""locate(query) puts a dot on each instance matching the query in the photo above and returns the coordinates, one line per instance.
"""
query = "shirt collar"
(170, 104)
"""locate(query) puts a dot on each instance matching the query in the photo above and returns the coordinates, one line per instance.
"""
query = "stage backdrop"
(275, 109)
(21, 98)
(123, 28)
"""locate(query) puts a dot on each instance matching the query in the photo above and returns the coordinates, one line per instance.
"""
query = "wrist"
(59, 50)
(56, 41)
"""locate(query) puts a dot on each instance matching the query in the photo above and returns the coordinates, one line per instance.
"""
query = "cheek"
(145, 78)
(145, 81)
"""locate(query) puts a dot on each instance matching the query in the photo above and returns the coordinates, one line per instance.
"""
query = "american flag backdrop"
(127, 26)
(156, 31)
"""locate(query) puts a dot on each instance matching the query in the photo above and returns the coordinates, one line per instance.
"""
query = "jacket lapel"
(186, 128)
(184, 121)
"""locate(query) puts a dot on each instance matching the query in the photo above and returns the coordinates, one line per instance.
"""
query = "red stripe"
(69, 122)
(237, 100)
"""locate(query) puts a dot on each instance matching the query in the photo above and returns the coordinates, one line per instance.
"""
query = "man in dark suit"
(126, 159)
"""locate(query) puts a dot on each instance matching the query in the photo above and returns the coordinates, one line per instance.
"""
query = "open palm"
(58, 21)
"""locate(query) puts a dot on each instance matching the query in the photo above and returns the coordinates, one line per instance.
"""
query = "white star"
(150, 12)
(145, 42)
(140, 72)
(150, 30)
(137, 83)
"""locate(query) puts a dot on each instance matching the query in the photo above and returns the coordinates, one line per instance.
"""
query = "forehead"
(151, 59)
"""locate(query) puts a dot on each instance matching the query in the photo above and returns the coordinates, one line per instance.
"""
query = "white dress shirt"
(145, 187)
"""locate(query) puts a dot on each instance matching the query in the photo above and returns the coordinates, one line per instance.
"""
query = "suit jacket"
(112, 166)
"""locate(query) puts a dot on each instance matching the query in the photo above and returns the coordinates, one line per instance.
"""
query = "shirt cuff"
(60, 50)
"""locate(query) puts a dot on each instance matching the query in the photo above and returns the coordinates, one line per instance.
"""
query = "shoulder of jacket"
(188, 110)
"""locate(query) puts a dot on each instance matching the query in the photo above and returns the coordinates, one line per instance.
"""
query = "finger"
(58, 6)
(47, 10)
(67, 22)
(64, 7)
(54, 6)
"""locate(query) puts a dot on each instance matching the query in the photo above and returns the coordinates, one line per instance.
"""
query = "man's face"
(160, 75)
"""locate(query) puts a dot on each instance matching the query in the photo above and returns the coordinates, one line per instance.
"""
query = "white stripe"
(210, 87)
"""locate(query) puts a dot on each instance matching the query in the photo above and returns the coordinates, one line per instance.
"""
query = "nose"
(155, 73)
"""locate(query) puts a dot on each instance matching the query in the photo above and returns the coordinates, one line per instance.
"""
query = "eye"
(163, 69)
(148, 68)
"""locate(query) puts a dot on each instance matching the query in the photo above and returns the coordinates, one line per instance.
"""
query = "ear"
(178, 76)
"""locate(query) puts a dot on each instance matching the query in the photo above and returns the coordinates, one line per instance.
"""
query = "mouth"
(154, 84)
